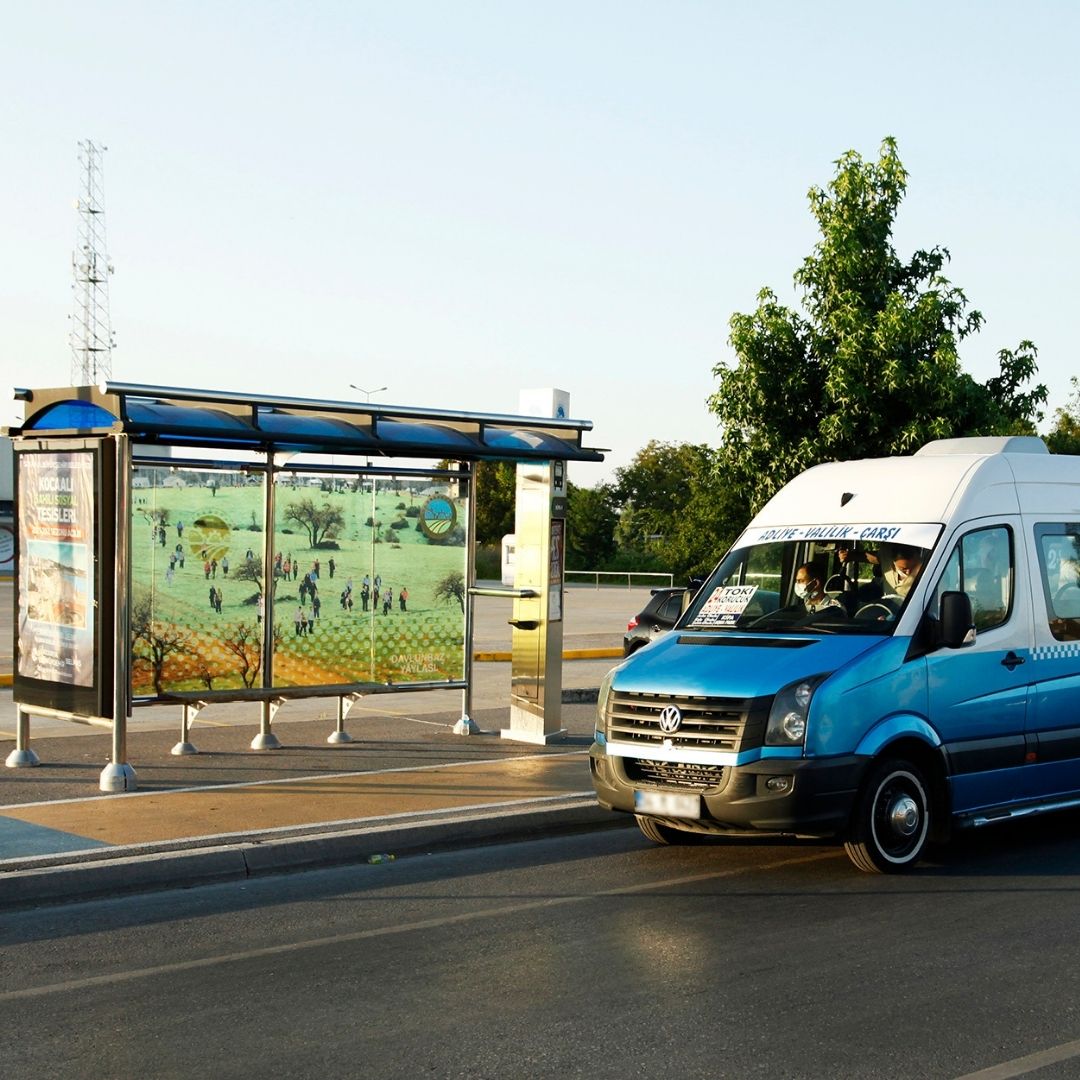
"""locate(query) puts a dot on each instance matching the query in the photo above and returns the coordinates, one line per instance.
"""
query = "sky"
(459, 200)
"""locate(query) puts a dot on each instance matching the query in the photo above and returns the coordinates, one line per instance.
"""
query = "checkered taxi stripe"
(1062, 651)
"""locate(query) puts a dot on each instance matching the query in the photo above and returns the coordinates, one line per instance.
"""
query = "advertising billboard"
(58, 586)
(366, 581)
(369, 581)
(196, 579)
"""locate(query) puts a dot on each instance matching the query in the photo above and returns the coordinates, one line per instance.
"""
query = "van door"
(978, 694)
(1054, 718)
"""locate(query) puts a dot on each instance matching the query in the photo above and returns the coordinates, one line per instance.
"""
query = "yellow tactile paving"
(147, 818)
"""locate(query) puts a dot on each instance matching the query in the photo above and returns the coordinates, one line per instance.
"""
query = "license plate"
(667, 804)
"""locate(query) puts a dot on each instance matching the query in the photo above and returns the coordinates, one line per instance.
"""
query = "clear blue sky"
(461, 199)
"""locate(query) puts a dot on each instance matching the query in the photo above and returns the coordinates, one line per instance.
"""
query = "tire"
(892, 819)
(665, 834)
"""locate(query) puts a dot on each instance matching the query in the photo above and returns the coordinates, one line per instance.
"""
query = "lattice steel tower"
(91, 332)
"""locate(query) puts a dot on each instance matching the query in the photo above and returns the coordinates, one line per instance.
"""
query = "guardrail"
(666, 579)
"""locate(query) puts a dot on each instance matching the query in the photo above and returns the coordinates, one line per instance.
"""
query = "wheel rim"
(899, 819)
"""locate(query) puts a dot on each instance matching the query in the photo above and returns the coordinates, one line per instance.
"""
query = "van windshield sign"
(725, 605)
(916, 535)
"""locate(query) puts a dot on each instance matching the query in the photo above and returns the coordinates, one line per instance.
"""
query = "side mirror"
(957, 627)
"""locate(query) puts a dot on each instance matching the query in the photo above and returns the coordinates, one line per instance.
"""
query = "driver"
(810, 590)
(906, 564)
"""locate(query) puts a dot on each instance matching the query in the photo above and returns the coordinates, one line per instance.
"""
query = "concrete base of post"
(118, 777)
(22, 759)
(183, 749)
(336, 737)
(466, 726)
(266, 740)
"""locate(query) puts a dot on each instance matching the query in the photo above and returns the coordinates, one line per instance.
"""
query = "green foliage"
(496, 483)
(871, 366)
(677, 510)
(590, 527)
(489, 562)
(1064, 437)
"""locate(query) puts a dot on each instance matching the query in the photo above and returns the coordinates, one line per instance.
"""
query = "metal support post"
(344, 705)
(266, 739)
(188, 716)
(22, 757)
(118, 775)
(536, 640)
(466, 725)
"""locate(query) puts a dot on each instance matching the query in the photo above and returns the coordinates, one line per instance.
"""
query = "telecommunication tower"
(91, 331)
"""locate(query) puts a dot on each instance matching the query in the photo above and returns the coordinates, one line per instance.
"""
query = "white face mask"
(801, 589)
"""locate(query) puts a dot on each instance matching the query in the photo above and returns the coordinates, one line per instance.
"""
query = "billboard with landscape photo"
(366, 582)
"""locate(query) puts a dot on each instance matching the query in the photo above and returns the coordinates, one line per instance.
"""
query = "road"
(593, 955)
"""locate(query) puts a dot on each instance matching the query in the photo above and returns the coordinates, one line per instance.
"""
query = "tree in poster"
(245, 643)
(871, 366)
(452, 587)
(319, 522)
(153, 642)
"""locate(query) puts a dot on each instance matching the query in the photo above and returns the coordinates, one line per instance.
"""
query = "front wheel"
(892, 819)
(665, 834)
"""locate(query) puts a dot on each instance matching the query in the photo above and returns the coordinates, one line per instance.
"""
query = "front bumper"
(819, 802)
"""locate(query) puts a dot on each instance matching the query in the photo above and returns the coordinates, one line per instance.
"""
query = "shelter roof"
(185, 417)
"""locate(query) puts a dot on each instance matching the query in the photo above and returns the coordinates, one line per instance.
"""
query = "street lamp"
(367, 393)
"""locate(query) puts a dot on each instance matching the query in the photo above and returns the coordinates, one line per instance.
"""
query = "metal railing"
(665, 579)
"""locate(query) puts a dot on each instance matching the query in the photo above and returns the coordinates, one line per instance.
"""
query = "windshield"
(821, 578)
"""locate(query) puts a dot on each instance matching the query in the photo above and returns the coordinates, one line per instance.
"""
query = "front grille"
(673, 773)
(708, 723)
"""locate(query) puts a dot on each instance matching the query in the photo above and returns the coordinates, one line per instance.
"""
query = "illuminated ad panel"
(369, 580)
(57, 633)
(197, 539)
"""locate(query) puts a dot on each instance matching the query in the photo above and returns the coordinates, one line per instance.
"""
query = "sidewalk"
(406, 784)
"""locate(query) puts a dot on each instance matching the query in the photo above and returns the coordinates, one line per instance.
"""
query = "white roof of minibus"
(948, 479)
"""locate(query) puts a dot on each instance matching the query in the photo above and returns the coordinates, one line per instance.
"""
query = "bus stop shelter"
(191, 546)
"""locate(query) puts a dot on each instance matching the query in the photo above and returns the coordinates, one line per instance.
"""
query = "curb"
(117, 871)
(505, 656)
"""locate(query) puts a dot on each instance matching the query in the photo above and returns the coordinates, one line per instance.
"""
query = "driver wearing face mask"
(810, 590)
(907, 562)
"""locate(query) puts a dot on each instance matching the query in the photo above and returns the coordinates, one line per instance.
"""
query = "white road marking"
(1027, 1064)
(305, 779)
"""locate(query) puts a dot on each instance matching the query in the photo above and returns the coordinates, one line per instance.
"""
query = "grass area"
(217, 650)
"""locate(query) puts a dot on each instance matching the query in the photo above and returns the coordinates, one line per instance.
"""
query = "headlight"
(787, 717)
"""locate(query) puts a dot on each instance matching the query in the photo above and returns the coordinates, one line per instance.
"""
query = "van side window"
(981, 565)
(1058, 546)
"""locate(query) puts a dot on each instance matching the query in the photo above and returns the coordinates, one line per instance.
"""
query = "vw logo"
(670, 719)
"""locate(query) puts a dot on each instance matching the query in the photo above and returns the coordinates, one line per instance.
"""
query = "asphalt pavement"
(405, 783)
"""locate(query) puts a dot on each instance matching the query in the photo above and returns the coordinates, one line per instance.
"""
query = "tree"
(715, 511)
(452, 587)
(871, 367)
(496, 490)
(245, 643)
(152, 642)
(590, 526)
(319, 522)
(1064, 437)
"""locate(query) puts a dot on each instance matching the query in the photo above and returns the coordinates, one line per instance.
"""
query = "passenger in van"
(906, 564)
(810, 590)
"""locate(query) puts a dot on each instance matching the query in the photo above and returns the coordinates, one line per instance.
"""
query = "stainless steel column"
(466, 725)
(266, 739)
(118, 775)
